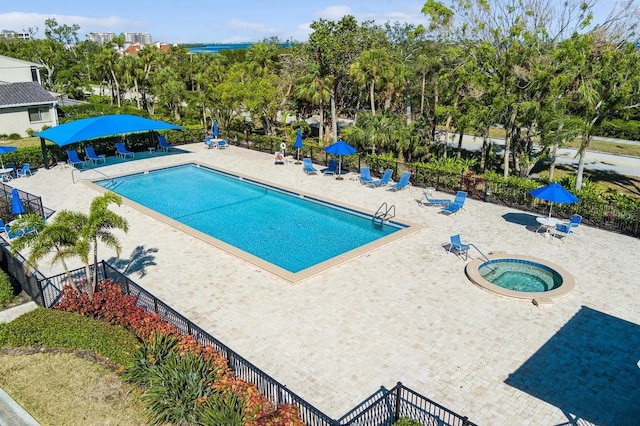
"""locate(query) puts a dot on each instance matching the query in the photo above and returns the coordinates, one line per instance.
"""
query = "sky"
(204, 21)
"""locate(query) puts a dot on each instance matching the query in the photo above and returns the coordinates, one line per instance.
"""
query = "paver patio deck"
(402, 312)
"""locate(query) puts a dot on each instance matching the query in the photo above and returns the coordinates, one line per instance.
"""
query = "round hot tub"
(521, 277)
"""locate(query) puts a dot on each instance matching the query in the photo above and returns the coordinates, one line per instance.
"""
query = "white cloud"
(236, 24)
(334, 13)
(18, 21)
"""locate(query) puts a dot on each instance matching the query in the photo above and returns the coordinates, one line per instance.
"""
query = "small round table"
(151, 149)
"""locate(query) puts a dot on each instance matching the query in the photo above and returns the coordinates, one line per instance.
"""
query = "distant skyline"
(202, 21)
(213, 21)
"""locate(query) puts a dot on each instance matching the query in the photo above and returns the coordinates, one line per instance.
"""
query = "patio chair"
(365, 175)
(122, 152)
(12, 173)
(457, 205)
(566, 228)
(74, 160)
(331, 169)
(308, 168)
(92, 157)
(386, 177)
(402, 183)
(428, 200)
(222, 144)
(457, 245)
(24, 171)
(164, 145)
(210, 143)
(278, 158)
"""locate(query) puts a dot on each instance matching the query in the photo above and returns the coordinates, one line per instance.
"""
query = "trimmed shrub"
(56, 329)
(15, 136)
(407, 422)
(6, 290)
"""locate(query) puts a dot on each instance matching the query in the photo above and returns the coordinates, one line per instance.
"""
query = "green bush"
(407, 422)
(178, 386)
(58, 329)
(15, 136)
(6, 290)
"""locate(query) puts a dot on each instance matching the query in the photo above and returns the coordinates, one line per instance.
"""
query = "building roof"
(24, 94)
(20, 61)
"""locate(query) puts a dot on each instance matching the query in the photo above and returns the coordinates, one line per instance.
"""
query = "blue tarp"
(104, 125)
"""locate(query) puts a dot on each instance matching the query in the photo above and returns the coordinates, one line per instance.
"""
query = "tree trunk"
(552, 164)
(408, 92)
(447, 127)
(423, 89)
(372, 91)
(583, 153)
(460, 143)
(321, 124)
(507, 142)
(334, 119)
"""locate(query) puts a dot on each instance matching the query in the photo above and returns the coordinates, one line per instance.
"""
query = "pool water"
(519, 275)
(286, 229)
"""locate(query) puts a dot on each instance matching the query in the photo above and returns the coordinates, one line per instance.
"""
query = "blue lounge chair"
(92, 157)
(402, 183)
(427, 198)
(74, 160)
(222, 144)
(365, 175)
(24, 171)
(386, 177)
(567, 228)
(457, 245)
(457, 204)
(308, 168)
(122, 152)
(331, 169)
(210, 142)
(164, 145)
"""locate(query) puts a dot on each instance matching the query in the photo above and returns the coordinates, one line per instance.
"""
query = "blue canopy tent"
(98, 127)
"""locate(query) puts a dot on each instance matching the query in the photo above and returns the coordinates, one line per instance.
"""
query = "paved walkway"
(402, 312)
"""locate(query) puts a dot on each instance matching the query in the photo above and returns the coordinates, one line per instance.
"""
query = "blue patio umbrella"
(298, 144)
(16, 203)
(4, 150)
(214, 130)
(340, 148)
(554, 193)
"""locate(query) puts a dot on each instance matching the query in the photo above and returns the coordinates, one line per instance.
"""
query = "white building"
(101, 37)
(24, 103)
(142, 38)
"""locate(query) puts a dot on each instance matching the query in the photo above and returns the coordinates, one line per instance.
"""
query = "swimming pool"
(293, 231)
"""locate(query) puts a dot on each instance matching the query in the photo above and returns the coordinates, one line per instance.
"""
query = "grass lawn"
(67, 389)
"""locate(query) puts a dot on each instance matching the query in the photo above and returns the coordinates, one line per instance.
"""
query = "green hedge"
(58, 329)
(620, 129)
(6, 290)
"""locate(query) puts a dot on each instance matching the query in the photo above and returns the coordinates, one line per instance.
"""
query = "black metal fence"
(383, 409)
(614, 215)
(31, 203)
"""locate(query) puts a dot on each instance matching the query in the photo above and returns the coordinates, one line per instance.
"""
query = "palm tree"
(315, 88)
(60, 237)
(73, 234)
(97, 227)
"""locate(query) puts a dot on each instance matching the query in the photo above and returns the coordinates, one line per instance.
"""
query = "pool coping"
(537, 298)
(291, 277)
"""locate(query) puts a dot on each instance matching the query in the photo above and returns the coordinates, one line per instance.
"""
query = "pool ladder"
(383, 214)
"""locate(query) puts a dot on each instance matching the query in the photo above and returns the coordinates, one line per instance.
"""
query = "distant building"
(143, 38)
(134, 48)
(101, 37)
(14, 34)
